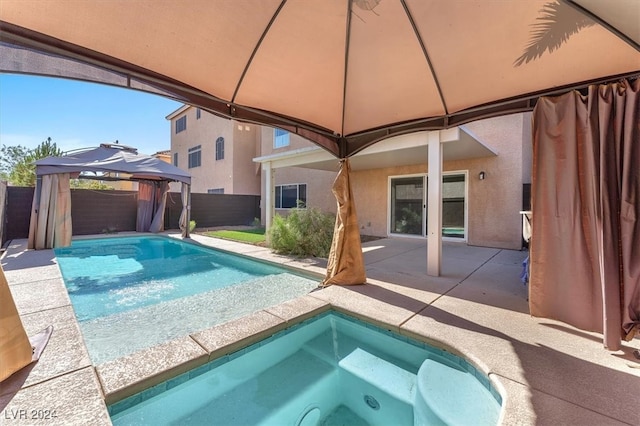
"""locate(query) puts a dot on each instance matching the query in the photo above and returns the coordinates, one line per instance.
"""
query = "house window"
(195, 159)
(175, 159)
(291, 196)
(181, 124)
(220, 148)
(280, 138)
(215, 191)
(198, 113)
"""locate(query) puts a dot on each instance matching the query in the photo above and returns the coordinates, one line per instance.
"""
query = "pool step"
(388, 377)
(332, 349)
(437, 382)
(377, 390)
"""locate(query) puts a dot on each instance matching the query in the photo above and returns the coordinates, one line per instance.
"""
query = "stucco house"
(486, 177)
(217, 152)
(486, 173)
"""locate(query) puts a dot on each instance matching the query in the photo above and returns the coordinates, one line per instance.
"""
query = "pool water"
(330, 370)
(130, 293)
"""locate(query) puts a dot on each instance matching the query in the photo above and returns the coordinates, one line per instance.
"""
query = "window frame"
(175, 159)
(220, 148)
(281, 138)
(278, 196)
(195, 156)
(181, 124)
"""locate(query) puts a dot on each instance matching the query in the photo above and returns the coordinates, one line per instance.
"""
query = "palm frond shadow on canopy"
(556, 24)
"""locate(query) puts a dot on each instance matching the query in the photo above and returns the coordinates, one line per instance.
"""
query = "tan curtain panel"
(585, 255)
(185, 215)
(152, 199)
(50, 224)
(346, 263)
(157, 224)
(146, 202)
(15, 348)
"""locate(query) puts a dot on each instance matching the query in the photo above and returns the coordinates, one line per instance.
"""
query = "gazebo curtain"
(152, 199)
(346, 263)
(50, 223)
(185, 216)
(585, 255)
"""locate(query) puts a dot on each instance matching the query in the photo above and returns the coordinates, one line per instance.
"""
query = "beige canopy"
(343, 73)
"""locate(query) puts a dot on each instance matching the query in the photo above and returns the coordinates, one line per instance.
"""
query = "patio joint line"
(48, 379)
(451, 289)
(35, 281)
(199, 344)
(25, 314)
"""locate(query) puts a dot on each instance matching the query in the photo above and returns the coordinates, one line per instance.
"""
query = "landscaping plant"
(304, 232)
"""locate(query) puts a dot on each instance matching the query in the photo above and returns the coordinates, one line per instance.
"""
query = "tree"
(9, 157)
(88, 184)
(20, 161)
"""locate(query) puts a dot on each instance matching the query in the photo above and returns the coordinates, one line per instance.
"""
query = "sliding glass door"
(408, 213)
(453, 206)
(407, 205)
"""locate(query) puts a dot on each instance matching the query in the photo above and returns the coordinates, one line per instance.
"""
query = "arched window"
(220, 148)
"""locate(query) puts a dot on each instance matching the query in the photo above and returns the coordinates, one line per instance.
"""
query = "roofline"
(288, 154)
(180, 110)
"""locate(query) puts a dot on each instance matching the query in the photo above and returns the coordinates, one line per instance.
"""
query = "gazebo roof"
(113, 158)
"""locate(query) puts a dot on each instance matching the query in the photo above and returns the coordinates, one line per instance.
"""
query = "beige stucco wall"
(245, 147)
(371, 192)
(495, 202)
(236, 173)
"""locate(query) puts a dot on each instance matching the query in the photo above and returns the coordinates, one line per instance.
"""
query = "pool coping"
(120, 379)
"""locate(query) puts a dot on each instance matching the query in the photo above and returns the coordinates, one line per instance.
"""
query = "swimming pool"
(329, 370)
(130, 293)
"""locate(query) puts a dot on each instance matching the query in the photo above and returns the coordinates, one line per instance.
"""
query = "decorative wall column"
(270, 189)
(434, 205)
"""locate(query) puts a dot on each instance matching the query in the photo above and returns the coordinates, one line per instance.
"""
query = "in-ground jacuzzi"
(328, 370)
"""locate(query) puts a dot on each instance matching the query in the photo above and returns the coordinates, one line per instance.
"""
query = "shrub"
(192, 225)
(305, 232)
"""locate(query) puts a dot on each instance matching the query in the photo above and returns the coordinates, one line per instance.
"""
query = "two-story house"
(217, 152)
(486, 173)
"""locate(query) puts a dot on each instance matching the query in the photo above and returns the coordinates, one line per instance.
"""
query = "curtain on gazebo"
(585, 255)
(50, 223)
(346, 263)
(152, 199)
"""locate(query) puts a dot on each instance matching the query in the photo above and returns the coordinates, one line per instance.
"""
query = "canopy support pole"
(434, 205)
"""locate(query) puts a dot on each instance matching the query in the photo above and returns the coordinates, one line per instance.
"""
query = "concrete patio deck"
(548, 372)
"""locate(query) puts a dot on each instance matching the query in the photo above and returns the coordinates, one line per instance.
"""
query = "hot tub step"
(382, 374)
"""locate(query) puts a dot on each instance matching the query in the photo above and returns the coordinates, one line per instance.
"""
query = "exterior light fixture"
(481, 175)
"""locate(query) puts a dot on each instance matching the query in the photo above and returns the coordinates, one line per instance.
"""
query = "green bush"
(192, 225)
(305, 232)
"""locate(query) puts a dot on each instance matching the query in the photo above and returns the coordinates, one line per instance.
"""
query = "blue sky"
(78, 115)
